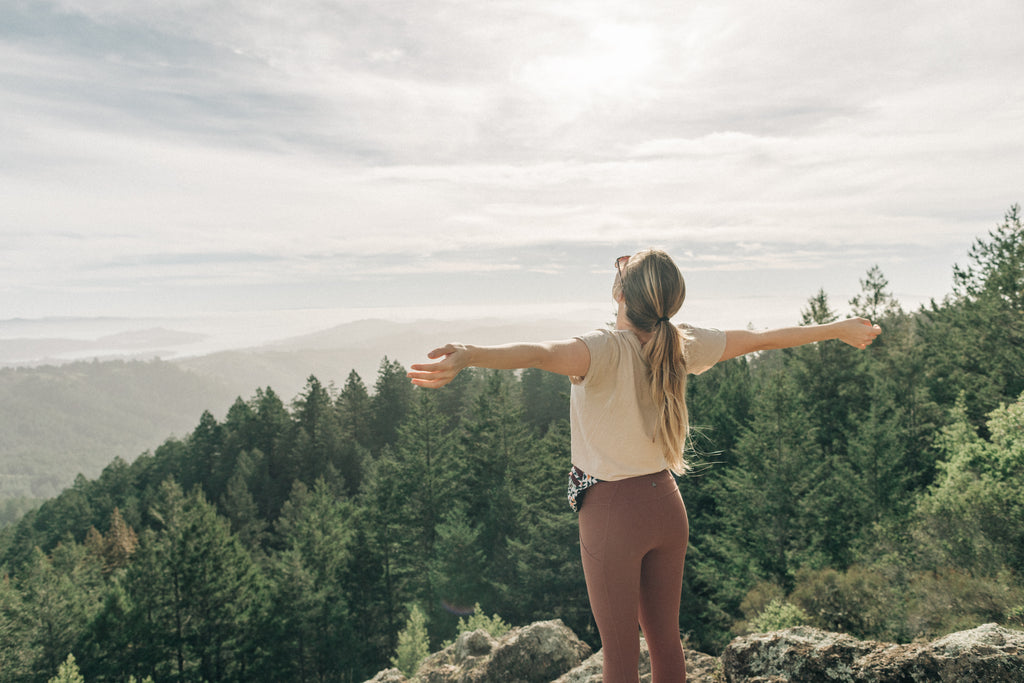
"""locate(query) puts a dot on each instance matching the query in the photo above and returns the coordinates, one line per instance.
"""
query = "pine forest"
(878, 493)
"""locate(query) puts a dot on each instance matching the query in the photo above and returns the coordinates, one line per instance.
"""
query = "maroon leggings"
(633, 536)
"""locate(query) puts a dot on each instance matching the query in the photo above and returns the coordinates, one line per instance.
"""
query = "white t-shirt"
(612, 416)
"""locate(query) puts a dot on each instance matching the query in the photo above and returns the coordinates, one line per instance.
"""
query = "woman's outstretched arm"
(857, 332)
(568, 357)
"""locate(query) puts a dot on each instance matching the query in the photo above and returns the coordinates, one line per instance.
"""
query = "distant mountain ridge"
(59, 420)
(333, 353)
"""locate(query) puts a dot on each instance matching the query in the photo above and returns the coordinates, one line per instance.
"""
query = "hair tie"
(663, 319)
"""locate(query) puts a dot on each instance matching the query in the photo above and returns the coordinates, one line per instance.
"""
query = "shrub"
(68, 672)
(478, 620)
(778, 615)
(413, 645)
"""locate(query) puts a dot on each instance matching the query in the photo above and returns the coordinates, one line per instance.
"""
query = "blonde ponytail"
(654, 290)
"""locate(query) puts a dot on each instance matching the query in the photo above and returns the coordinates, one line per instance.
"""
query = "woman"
(629, 428)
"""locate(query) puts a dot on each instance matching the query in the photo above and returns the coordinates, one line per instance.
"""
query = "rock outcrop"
(548, 652)
(538, 653)
(987, 654)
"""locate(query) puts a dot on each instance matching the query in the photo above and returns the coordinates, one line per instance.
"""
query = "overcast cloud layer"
(162, 157)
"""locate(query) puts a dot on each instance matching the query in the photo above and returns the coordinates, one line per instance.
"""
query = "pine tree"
(58, 600)
(391, 402)
(764, 530)
(495, 447)
(423, 455)
(354, 408)
(239, 506)
(311, 603)
(119, 543)
(272, 431)
(318, 435)
(205, 466)
(68, 672)
(456, 568)
(974, 340)
(413, 647)
(355, 419)
(193, 589)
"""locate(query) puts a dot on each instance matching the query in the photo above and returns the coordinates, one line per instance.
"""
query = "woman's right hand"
(454, 358)
(857, 332)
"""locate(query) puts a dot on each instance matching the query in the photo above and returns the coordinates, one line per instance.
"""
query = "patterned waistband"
(579, 482)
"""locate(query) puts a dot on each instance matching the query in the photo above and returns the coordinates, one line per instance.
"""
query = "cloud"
(202, 143)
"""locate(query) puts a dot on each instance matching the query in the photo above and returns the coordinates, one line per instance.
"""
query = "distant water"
(33, 341)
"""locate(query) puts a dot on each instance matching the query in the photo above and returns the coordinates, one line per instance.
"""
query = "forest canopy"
(877, 493)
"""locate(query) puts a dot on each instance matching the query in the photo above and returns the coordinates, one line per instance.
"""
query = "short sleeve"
(603, 356)
(702, 347)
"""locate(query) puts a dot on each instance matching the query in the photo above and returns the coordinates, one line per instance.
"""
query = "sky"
(187, 157)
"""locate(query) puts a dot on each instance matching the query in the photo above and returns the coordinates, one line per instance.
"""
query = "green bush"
(861, 601)
(478, 620)
(779, 615)
(413, 645)
(68, 672)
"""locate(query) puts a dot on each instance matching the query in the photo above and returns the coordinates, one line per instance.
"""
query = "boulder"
(538, 653)
(989, 654)
(700, 668)
(799, 654)
(389, 676)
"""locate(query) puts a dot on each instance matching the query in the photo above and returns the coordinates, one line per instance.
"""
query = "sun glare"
(613, 62)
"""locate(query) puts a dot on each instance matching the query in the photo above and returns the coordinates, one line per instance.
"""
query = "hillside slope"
(57, 421)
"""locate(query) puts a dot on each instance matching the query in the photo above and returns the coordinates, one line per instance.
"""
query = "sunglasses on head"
(620, 262)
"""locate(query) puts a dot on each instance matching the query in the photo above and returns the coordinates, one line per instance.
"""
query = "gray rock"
(799, 654)
(549, 652)
(987, 654)
(389, 676)
(538, 653)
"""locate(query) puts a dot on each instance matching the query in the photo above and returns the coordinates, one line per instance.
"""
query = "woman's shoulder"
(702, 347)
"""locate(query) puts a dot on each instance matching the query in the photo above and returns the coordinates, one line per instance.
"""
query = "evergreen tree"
(423, 460)
(114, 548)
(311, 618)
(412, 643)
(355, 410)
(68, 672)
(239, 430)
(495, 446)
(391, 401)
(974, 340)
(355, 417)
(272, 431)
(381, 504)
(457, 569)
(974, 515)
(545, 398)
(875, 302)
(193, 589)
(764, 531)
(544, 551)
(20, 649)
(205, 465)
(58, 600)
(239, 506)
(318, 435)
